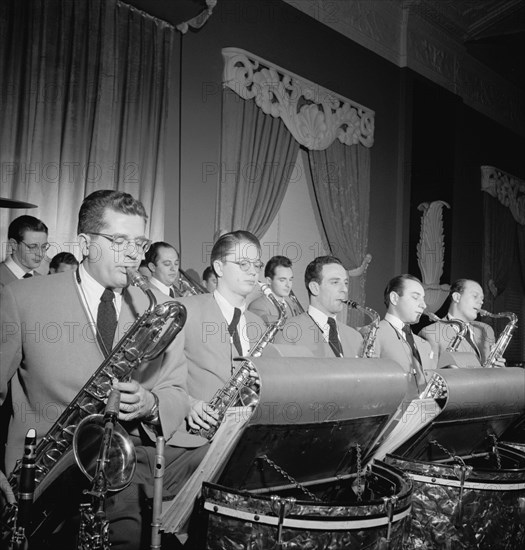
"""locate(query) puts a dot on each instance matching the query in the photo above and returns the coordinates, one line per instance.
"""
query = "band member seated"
(63, 261)
(58, 330)
(405, 302)
(28, 242)
(318, 330)
(218, 327)
(163, 261)
(464, 302)
(279, 275)
(209, 279)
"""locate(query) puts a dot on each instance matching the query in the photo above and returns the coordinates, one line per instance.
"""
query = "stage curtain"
(84, 106)
(498, 250)
(258, 157)
(341, 185)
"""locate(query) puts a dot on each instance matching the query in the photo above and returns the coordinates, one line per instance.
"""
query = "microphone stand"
(94, 525)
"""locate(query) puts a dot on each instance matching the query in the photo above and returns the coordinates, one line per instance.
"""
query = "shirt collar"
(226, 308)
(17, 271)
(161, 286)
(395, 321)
(92, 290)
(320, 318)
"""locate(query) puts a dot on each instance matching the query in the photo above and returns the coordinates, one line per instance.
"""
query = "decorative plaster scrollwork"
(431, 253)
(508, 189)
(315, 116)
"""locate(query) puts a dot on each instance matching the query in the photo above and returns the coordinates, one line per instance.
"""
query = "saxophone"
(188, 286)
(237, 389)
(503, 341)
(147, 338)
(461, 329)
(370, 338)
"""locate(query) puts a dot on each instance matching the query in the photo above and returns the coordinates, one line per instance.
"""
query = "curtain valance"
(508, 189)
(315, 116)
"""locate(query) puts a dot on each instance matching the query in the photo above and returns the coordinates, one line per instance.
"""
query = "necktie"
(410, 339)
(234, 333)
(333, 338)
(470, 340)
(172, 293)
(27, 275)
(106, 320)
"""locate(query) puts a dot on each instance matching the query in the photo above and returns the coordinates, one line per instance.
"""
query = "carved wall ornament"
(431, 253)
(508, 189)
(315, 116)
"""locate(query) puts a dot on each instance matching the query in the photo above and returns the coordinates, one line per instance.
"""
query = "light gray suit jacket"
(389, 344)
(209, 352)
(266, 310)
(441, 335)
(7, 276)
(48, 351)
(303, 331)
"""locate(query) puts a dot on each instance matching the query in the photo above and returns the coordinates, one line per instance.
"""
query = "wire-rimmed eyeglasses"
(120, 242)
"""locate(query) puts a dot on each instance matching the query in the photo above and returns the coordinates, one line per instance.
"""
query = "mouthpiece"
(484, 313)
(431, 316)
(351, 303)
(136, 279)
(265, 288)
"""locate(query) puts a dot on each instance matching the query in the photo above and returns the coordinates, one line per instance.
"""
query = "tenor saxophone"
(238, 388)
(371, 331)
(504, 338)
(147, 338)
(188, 286)
(461, 329)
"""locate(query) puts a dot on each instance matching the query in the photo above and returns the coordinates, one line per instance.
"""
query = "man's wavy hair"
(91, 214)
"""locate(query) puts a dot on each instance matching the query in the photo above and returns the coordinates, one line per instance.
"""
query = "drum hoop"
(483, 485)
(326, 524)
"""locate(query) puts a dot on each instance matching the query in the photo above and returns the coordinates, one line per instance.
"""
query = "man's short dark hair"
(152, 255)
(91, 214)
(208, 273)
(62, 258)
(459, 286)
(315, 268)
(397, 284)
(225, 243)
(275, 262)
(20, 225)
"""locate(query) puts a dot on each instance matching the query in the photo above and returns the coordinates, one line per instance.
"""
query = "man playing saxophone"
(218, 327)
(56, 331)
(464, 303)
(279, 275)
(405, 302)
(317, 329)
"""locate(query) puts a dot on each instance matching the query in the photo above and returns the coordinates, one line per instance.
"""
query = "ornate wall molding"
(422, 35)
(315, 116)
(431, 253)
(508, 189)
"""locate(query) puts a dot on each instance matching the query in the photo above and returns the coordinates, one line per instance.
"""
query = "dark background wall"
(428, 144)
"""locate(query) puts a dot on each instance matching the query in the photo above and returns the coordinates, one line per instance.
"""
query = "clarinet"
(26, 490)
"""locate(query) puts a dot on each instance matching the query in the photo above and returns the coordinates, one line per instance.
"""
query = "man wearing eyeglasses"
(219, 328)
(28, 241)
(56, 332)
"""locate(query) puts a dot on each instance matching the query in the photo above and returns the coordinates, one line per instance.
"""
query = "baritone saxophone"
(146, 339)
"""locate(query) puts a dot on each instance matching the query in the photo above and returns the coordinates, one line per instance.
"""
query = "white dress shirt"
(227, 311)
(17, 271)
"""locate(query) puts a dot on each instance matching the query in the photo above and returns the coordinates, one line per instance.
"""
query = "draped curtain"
(84, 104)
(258, 157)
(500, 241)
(341, 186)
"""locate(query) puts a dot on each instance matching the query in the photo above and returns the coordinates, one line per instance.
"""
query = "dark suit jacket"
(266, 310)
(48, 352)
(389, 344)
(441, 335)
(302, 330)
